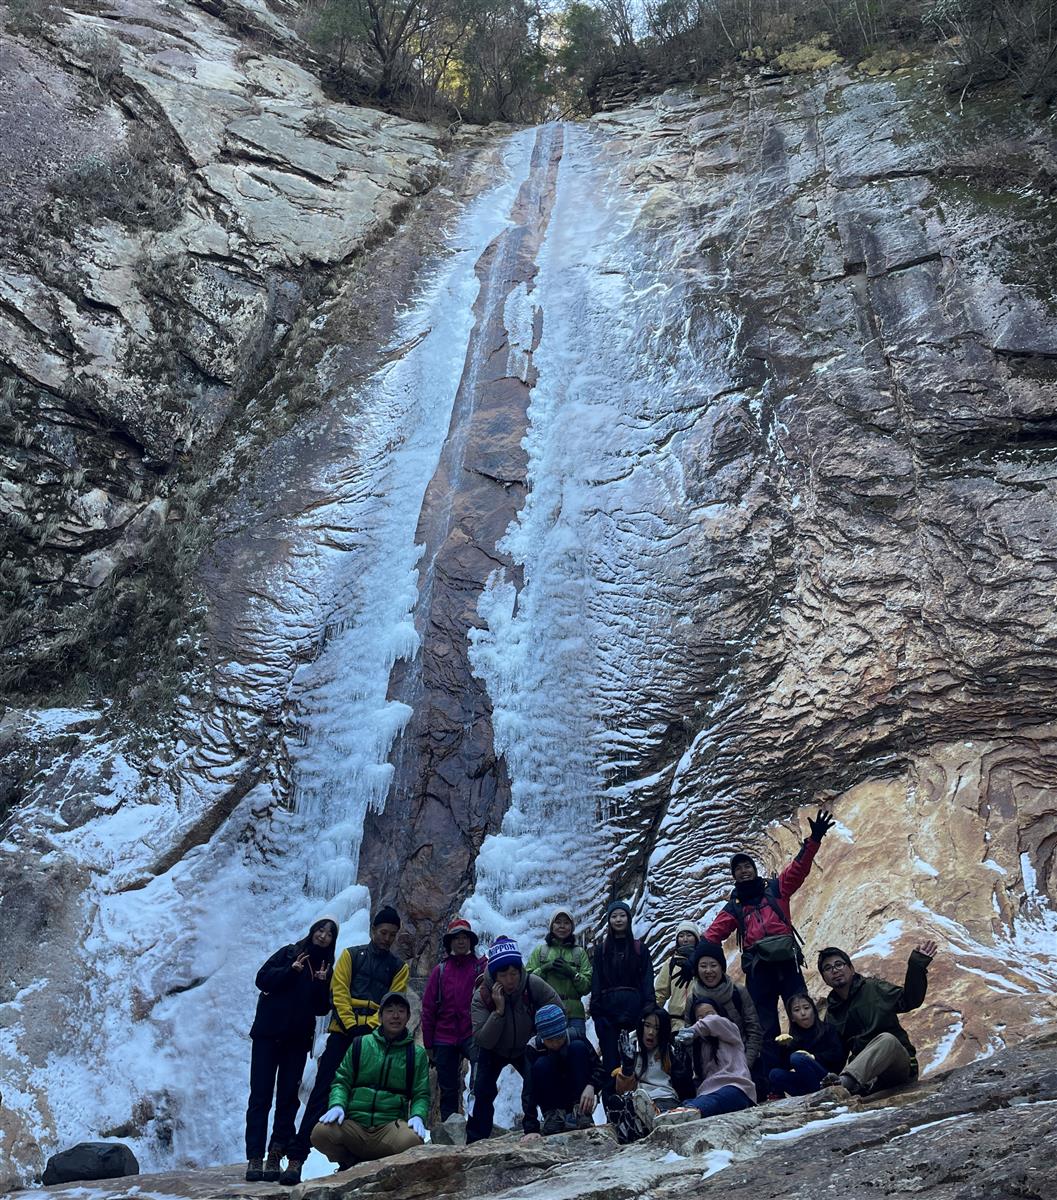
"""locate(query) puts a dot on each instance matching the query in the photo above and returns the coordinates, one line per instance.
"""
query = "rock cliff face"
(657, 477)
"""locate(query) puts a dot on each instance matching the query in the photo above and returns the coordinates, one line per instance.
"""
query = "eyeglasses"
(833, 966)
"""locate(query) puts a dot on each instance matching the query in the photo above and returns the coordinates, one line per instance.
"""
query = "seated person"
(706, 974)
(379, 1100)
(652, 1076)
(720, 1071)
(863, 1012)
(565, 1077)
(811, 1050)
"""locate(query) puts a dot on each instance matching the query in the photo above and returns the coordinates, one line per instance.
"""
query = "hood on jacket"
(550, 938)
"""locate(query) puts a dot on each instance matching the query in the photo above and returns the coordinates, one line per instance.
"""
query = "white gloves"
(333, 1116)
(417, 1126)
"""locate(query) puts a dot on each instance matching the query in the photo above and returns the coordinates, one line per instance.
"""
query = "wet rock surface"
(980, 1131)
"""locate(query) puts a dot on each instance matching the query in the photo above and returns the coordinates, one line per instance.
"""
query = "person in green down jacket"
(379, 1100)
(566, 966)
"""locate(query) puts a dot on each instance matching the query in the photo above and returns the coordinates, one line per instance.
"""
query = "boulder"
(91, 1160)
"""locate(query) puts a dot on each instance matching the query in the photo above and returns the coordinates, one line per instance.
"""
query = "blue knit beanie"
(550, 1021)
(502, 953)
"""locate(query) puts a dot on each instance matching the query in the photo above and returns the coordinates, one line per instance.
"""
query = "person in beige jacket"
(671, 994)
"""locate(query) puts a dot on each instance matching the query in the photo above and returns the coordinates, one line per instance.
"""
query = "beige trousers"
(349, 1143)
(885, 1062)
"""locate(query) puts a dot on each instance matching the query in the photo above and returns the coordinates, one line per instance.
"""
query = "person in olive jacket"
(864, 1012)
(362, 976)
(621, 983)
(379, 1100)
(295, 988)
(503, 1014)
(566, 967)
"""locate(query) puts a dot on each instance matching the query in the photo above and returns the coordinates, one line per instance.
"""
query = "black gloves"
(821, 825)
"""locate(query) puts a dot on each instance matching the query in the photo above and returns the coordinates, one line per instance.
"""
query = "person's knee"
(326, 1139)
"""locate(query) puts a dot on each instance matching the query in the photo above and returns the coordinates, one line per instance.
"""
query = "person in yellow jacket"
(363, 976)
(671, 994)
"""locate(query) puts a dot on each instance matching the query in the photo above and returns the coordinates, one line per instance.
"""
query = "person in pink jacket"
(721, 1074)
(447, 1033)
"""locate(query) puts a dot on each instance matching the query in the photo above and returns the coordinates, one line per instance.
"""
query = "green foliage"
(812, 55)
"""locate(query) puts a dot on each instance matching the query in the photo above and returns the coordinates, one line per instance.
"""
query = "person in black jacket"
(295, 989)
(621, 983)
(811, 1049)
(565, 1077)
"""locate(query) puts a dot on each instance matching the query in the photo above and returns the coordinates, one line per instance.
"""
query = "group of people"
(683, 1037)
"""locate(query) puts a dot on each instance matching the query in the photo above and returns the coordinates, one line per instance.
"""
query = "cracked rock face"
(809, 550)
(174, 194)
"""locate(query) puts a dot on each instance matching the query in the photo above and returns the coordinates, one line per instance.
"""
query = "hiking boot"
(851, 1084)
(553, 1122)
(255, 1170)
(830, 1080)
(273, 1166)
(292, 1174)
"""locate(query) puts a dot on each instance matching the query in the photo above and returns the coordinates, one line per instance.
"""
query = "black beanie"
(831, 952)
(740, 858)
(386, 915)
(686, 972)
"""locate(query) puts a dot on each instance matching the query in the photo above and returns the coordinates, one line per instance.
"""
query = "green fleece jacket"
(873, 1004)
(571, 980)
(375, 1091)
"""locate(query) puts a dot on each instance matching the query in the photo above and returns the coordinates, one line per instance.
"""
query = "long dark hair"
(664, 1038)
(795, 1029)
(317, 954)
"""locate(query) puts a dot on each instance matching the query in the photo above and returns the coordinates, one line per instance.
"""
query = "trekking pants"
(489, 1067)
(349, 1143)
(884, 1063)
(276, 1066)
(448, 1061)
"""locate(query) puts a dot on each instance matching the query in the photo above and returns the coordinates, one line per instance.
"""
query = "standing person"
(724, 1084)
(295, 989)
(811, 1050)
(758, 911)
(503, 1013)
(379, 1100)
(566, 967)
(668, 991)
(621, 982)
(363, 975)
(864, 1012)
(565, 1076)
(447, 1032)
(710, 984)
(649, 1081)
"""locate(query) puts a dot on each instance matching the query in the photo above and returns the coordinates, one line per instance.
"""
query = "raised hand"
(822, 824)
(928, 948)
(299, 962)
(322, 973)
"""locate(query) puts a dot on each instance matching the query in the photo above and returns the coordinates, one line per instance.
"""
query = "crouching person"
(565, 1076)
(503, 1016)
(721, 1074)
(379, 1100)
(864, 1012)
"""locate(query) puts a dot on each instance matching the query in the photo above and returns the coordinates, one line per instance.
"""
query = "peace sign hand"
(322, 973)
(299, 962)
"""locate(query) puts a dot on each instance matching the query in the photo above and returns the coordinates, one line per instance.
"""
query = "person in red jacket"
(758, 911)
(447, 1032)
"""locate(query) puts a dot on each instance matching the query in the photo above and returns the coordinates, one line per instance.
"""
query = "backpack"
(409, 1066)
(527, 998)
